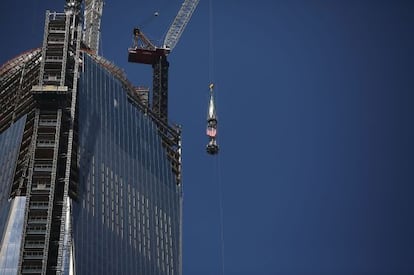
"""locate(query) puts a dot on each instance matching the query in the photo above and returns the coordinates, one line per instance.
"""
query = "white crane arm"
(180, 22)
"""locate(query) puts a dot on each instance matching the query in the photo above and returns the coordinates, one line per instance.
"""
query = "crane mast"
(92, 23)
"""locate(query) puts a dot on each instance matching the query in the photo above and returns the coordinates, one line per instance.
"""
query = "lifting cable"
(211, 45)
(220, 190)
(217, 168)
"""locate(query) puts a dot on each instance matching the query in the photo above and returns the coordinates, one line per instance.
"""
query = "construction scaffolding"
(46, 171)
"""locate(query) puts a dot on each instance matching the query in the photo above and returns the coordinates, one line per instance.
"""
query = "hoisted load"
(212, 147)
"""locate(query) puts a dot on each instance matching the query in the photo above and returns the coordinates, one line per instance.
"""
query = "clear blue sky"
(315, 103)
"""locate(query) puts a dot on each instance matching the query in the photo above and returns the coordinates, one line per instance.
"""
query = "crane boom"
(180, 22)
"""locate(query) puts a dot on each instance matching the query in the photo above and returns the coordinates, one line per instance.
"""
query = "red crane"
(145, 52)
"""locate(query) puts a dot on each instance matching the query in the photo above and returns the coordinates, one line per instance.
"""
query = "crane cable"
(220, 190)
(218, 169)
(211, 46)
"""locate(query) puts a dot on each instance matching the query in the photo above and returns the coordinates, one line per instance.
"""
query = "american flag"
(211, 132)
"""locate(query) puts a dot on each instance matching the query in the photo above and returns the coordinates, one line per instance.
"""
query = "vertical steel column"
(70, 157)
(44, 47)
(92, 19)
(29, 184)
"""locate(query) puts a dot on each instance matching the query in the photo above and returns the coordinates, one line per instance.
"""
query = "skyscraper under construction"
(90, 175)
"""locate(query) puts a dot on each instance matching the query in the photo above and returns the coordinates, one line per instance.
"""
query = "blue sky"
(315, 104)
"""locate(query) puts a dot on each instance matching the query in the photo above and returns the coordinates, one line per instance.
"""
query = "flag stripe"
(211, 132)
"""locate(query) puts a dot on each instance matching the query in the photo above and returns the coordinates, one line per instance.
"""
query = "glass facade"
(9, 149)
(127, 217)
(10, 249)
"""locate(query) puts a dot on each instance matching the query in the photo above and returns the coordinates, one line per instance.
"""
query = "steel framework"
(46, 172)
(92, 23)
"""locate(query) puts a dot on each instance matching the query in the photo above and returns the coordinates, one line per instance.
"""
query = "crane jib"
(180, 22)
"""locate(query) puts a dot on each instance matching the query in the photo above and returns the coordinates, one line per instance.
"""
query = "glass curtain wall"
(11, 211)
(10, 249)
(9, 149)
(127, 217)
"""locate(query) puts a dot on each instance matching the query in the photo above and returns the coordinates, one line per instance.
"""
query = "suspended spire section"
(211, 108)
(212, 147)
(92, 26)
(180, 22)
